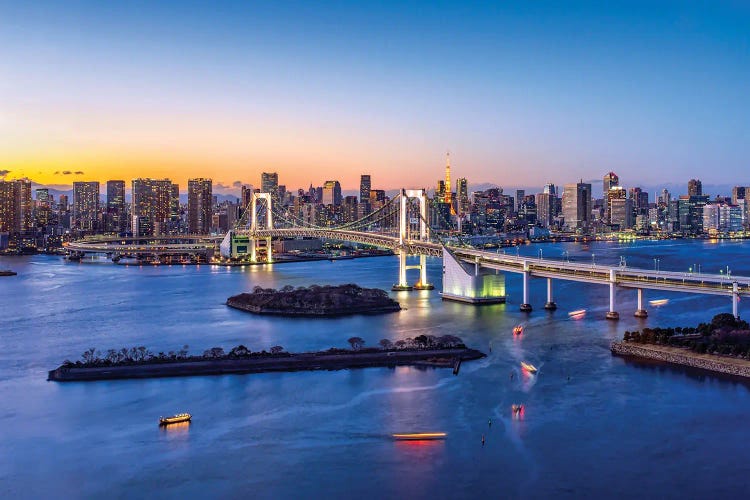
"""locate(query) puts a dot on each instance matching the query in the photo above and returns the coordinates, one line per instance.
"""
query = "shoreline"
(308, 361)
(683, 357)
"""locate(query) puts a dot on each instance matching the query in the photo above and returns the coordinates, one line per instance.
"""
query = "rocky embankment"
(285, 362)
(684, 357)
(315, 301)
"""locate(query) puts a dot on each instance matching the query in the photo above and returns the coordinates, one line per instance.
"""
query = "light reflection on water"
(585, 411)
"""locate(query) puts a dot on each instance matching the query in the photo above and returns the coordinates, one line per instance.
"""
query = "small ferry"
(175, 419)
(528, 367)
(658, 302)
(516, 409)
(578, 313)
(518, 330)
(420, 436)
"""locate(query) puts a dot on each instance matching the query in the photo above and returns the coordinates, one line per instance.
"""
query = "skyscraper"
(151, 206)
(269, 183)
(577, 206)
(116, 219)
(695, 187)
(615, 193)
(610, 180)
(200, 206)
(448, 197)
(85, 206)
(331, 193)
(462, 193)
(364, 188)
(520, 193)
(43, 206)
(15, 206)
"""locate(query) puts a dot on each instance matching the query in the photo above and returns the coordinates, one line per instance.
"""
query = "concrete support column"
(269, 250)
(550, 305)
(612, 314)
(735, 301)
(526, 306)
(402, 285)
(253, 257)
(640, 312)
(423, 284)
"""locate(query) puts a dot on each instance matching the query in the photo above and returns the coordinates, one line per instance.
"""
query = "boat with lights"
(420, 436)
(518, 330)
(175, 419)
(528, 367)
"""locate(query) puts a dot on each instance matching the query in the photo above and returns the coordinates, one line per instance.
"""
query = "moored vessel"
(175, 419)
(528, 367)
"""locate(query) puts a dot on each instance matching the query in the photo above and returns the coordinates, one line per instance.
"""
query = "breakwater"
(680, 356)
(324, 360)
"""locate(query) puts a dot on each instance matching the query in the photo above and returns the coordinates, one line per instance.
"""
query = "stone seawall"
(677, 356)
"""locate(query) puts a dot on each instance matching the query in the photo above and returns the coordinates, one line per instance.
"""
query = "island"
(721, 346)
(315, 301)
(446, 351)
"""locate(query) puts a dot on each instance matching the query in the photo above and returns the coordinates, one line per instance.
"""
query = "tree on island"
(386, 344)
(240, 351)
(356, 343)
(277, 349)
(214, 352)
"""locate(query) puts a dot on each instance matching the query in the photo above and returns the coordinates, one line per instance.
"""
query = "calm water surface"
(614, 429)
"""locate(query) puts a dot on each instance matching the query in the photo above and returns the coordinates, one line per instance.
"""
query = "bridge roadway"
(628, 277)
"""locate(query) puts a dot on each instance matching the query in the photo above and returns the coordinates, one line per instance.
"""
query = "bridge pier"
(612, 314)
(550, 305)
(402, 285)
(640, 312)
(422, 284)
(735, 301)
(526, 306)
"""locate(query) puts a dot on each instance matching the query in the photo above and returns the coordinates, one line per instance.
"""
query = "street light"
(593, 262)
(566, 254)
(540, 254)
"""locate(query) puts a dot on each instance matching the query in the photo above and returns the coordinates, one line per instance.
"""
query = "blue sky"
(521, 93)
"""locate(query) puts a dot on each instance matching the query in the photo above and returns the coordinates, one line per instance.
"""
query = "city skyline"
(517, 93)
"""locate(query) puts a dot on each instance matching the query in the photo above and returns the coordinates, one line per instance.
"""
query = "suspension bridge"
(401, 225)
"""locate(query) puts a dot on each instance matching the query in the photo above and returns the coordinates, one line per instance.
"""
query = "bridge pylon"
(403, 235)
(266, 197)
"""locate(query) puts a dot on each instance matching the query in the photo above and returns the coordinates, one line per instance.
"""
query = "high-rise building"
(462, 193)
(545, 209)
(42, 207)
(116, 218)
(615, 193)
(200, 206)
(577, 206)
(665, 197)
(739, 193)
(365, 186)
(550, 189)
(16, 213)
(621, 211)
(610, 180)
(269, 183)
(152, 206)
(349, 209)
(520, 193)
(695, 187)
(85, 206)
(331, 193)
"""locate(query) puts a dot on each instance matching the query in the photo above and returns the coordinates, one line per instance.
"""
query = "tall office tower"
(615, 193)
(116, 218)
(577, 206)
(15, 206)
(349, 209)
(43, 207)
(174, 209)
(664, 197)
(200, 206)
(85, 206)
(462, 193)
(152, 206)
(448, 195)
(640, 200)
(365, 186)
(695, 188)
(610, 180)
(62, 203)
(738, 193)
(544, 209)
(440, 191)
(621, 212)
(331, 193)
(550, 189)
(269, 183)
(520, 194)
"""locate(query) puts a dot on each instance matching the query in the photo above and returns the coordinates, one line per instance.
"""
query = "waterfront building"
(200, 206)
(85, 206)
(615, 193)
(462, 193)
(544, 209)
(16, 208)
(331, 193)
(695, 187)
(116, 219)
(269, 183)
(577, 206)
(153, 206)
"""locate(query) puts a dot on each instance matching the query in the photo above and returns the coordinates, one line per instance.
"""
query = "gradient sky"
(521, 93)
